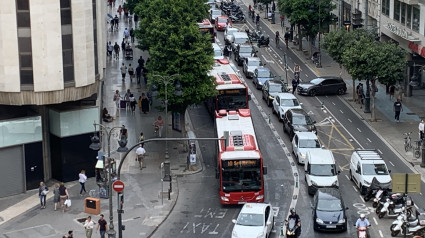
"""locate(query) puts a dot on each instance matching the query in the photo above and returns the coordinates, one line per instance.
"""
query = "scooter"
(362, 232)
(397, 198)
(410, 229)
(393, 210)
(291, 228)
(263, 41)
(403, 219)
(238, 18)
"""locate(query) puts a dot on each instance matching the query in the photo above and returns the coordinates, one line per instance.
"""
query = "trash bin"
(92, 206)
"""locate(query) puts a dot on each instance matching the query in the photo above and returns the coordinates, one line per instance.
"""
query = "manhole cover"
(411, 113)
(81, 220)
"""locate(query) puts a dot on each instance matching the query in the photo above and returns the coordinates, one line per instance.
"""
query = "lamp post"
(95, 145)
(166, 80)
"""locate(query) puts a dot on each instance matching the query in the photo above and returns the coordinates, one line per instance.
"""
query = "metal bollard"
(171, 187)
(281, 228)
(169, 194)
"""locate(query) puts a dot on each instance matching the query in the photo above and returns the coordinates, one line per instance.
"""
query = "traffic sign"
(118, 186)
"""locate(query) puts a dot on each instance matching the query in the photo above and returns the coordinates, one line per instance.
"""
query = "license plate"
(241, 202)
(331, 226)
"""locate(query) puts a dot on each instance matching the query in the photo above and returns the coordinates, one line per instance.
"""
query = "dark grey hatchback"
(329, 210)
(323, 86)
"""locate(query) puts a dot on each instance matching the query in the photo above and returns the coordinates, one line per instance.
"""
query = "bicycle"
(407, 141)
(417, 149)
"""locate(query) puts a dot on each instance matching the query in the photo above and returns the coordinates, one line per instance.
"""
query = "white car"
(303, 142)
(283, 102)
(255, 220)
(218, 53)
(228, 35)
(249, 66)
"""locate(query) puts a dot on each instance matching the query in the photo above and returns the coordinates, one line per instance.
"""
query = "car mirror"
(357, 171)
(346, 208)
(389, 171)
(339, 172)
(269, 223)
(234, 221)
(301, 103)
(249, 97)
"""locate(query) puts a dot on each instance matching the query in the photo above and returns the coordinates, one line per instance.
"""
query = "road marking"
(350, 120)
(333, 103)
(380, 233)
(368, 139)
(380, 152)
(391, 163)
(361, 197)
(416, 206)
(341, 111)
(268, 61)
(376, 222)
(347, 177)
(359, 129)
(355, 189)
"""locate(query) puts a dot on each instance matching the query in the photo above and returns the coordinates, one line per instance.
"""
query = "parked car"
(218, 53)
(214, 13)
(254, 220)
(304, 142)
(323, 86)
(242, 52)
(228, 35)
(271, 89)
(261, 76)
(329, 210)
(249, 66)
(283, 102)
(297, 120)
(221, 22)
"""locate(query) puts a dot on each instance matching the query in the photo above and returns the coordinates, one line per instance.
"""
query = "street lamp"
(167, 80)
(95, 145)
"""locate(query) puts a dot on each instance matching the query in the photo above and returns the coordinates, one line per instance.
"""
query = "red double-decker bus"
(232, 92)
(240, 164)
(207, 28)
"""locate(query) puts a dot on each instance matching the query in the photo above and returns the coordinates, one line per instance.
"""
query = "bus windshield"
(232, 99)
(241, 175)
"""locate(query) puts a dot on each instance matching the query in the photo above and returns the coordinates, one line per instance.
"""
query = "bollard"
(423, 156)
(169, 194)
(171, 187)
(281, 228)
(167, 171)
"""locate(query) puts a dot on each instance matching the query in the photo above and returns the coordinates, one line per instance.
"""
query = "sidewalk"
(146, 201)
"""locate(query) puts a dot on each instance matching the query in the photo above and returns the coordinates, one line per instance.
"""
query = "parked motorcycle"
(393, 210)
(237, 18)
(291, 228)
(263, 41)
(414, 226)
(253, 36)
(397, 198)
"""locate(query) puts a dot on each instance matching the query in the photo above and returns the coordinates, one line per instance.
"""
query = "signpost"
(118, 186)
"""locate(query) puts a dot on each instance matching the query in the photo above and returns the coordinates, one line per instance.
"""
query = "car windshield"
(275, 88)
(248, 219)
(289, 102)
(245, 50)
(230, 31)
(316, 81)
(375, 169)
(222, 20)
(264, 74)
(253, 63)
(322, 170)
(301, 120)
(309, 144)
(329, 205)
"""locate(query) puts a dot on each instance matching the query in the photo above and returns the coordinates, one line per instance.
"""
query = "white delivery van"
(320, 170)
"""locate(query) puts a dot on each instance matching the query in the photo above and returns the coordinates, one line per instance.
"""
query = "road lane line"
(391, 163)
(368, 139)
(374, 219)
(347, 177)
(350, 120)
(362, 199)
(359, 129)
(380, 233)
(333, 103)
(355, 189)
(380, 152)
(341, 111)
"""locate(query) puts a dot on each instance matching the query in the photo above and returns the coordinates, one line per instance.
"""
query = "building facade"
(51, 68)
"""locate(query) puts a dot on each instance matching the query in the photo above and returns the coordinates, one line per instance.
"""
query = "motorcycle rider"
(362, 222)
(295, 216)
(257, 19)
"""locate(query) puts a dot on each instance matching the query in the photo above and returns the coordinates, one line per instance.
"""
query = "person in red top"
(101, 226)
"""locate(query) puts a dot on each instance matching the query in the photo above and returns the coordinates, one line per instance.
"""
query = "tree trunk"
(372, 101)
(354, 90)
(300, 39)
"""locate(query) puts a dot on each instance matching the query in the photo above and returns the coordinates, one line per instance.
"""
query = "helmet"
(362, 216)
(293, 210)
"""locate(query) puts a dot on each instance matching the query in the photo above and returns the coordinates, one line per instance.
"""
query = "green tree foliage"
(168, 30)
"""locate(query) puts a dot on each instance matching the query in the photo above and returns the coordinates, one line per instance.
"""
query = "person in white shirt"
(82, 179)
(89, 225)
(140, 154)
(421, 128)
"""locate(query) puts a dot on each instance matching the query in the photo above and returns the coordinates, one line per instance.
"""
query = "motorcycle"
(253, 36)
(376, 188)
(412, 227)
(237, 18)
(263, 41)
(291, 228)
(397, 198)
(393, 210)
(362, 232)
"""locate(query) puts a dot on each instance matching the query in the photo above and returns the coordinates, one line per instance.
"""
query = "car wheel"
(280, 118)
(269, 103)
(362, 189)
(284, 129)
(273, 111)
(341, 91)
(351, 176)
(313, 92)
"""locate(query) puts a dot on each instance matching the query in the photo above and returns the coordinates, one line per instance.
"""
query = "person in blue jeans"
(101, 226)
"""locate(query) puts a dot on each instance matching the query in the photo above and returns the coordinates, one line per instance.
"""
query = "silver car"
(303, 142)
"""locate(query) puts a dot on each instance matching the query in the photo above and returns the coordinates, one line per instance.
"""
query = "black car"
(295, 120)
(243, 51)
(329, 210)
(271, 89)
(323, 86)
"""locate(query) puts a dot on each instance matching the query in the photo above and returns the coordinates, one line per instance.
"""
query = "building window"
(67, 43)
(96, 59)
(24, 42)
(415, 21)
(409, 17)
(397, 10)
(386, 7)
(403, 13)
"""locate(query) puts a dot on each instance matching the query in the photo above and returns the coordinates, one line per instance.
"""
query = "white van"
(320, 170)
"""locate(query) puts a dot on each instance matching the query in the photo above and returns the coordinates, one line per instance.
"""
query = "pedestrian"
(132, 103)
(117, 50)
(136, 19)
(101, 226)
(282, 21)
(56, 196)
(131, 72)
(149, 96)
(88, 226)
(399, 90)
(132, 34)
(140, 154)
(360, 93)
(145, 104)
(63, 194)
(421, 128)
(139, 102)
(159, 124)
(70, 234)
(286, 36)
(141, 139)
(82, 179)
(277, 37)
(295, 82)
(138, 73)
(42, 193)
(110, 48)
(126, 34)
(123, 46)
(392, 91)
(117, 98)
(397, 109)
(141, 61)
(127, 99)
(123, 69)
(119, 10)
(123, 133)
(116, 21)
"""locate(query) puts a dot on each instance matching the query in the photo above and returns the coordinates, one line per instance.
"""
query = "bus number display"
(232, 91)
(240, 163)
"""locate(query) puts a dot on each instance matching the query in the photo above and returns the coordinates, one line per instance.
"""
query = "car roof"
(222, 16)
(216, 46)
(286, 96)
(298, 111)
(274, 82)
(262, 68)
(253, 59)
(240, 34)
(254, 208)
(246, 45)
(321, 157)
(306, 135)
(329, 77)
(329, 193)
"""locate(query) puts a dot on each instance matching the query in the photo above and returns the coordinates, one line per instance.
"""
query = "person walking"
(126, 34)
(117, 98)
(132, 103)
(119, 10)
(140, 154)
(63, 193)
(127, 99)
(123, 69)
(132, 35)
(101, 226)
(123, 47)
(141, 139)
(360, 93)
(88, 226)
(295, 82)
(42, 193)
(117, 50)
(421, 128)
(286, 36)
(131, 72)
(145, 104)
(391, 91)
(141, 61)
(297, 70)
(82, 179)
(56, 195)
(398, 107)
(123, 132)
(160, 124)
(138, 73)
(110, 48)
